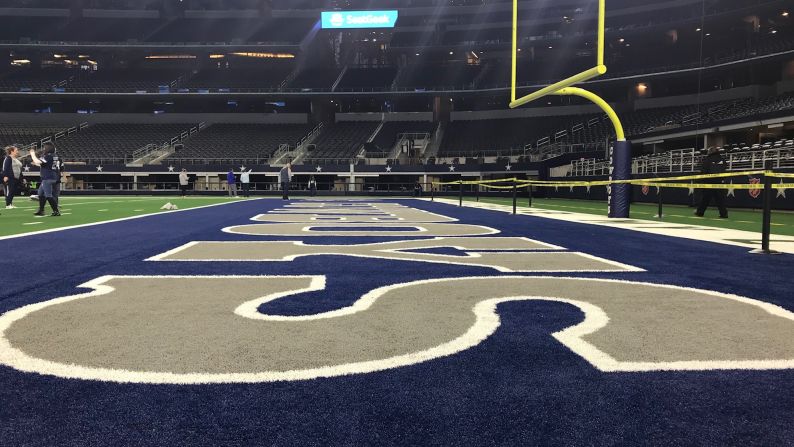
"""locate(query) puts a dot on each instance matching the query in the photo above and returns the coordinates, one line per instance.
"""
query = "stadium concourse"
(398, 321)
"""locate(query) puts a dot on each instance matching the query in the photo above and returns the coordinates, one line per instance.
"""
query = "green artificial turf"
(84, 210)
(749, 220)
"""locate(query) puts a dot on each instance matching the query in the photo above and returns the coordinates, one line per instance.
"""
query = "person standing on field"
(230, 181)
(12, 174)
(284, 176)
(713, 164)
(50, 165)
(312, 186)
(183, 182)
(245, 179)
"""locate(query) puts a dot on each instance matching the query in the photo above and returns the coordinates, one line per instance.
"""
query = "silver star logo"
(27, 168)
(170, 169)
(731, 192)
(388, 168)
(508, 167)
(242, 168)
(452, 169)
(319, 169)
(781, 192)
(99, 169)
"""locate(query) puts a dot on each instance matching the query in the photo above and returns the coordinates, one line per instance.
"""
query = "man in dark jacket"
(713, 164)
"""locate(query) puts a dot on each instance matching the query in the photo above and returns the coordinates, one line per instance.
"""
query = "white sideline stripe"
(121, 219)
(781, 243)
(486, 323)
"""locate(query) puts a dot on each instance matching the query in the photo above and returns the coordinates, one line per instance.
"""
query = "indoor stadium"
(397, 223)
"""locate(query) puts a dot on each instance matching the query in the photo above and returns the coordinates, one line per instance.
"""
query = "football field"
(357, 321)
(82, 210)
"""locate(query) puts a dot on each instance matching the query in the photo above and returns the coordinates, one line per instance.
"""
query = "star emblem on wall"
(781, 192)
(99, 168)
(170, 169)
(242, 168)
(26, 168)
(731, 192)
(691, 191)
(452, 169)
(318, 169)
(509, 167)
(388, 168)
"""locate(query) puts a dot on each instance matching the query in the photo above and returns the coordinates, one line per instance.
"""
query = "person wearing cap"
(713, 164)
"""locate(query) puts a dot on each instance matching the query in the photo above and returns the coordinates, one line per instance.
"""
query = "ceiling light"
(451, 53)
(784, 14)
(698, 30)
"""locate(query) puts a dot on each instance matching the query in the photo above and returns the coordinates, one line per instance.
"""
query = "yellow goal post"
(566, 86)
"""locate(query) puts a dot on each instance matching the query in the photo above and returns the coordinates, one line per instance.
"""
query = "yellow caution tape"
(659, 181)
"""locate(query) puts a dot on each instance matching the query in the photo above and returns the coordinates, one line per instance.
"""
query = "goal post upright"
(619, 195)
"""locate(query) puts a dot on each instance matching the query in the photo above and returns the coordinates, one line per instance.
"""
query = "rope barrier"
(659, 181)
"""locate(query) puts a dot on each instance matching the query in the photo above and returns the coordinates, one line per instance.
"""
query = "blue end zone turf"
(518, 387)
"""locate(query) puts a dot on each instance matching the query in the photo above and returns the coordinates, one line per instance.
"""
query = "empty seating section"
(207, 30)
(282, 30)
(449, 76)
(20, 29)
(389, 134)
(90, 29)
(116, 141)
(472, 138)
(244, 77)
(102, 30)
(34, 79)
(126, 80)
(341, 141)
(24, 134)
(368, 78)
(241, 141)
(315, 78)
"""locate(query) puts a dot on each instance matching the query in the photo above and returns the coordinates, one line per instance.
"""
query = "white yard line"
(122, 219)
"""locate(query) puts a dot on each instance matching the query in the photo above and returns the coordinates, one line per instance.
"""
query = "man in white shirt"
(183, 182)
(245, 179)
(284, 176)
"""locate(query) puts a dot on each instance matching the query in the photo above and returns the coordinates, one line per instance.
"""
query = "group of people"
(51, 167)
(284, 177)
